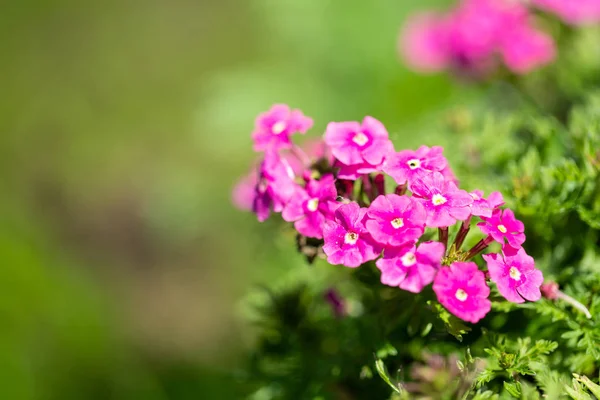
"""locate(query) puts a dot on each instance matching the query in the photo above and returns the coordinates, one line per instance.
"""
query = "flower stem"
(480, 246)
(379, 183)
(301, 155)
(443, 236)
(462, 233)
(368, 188)
(574, 303)
(400, 190)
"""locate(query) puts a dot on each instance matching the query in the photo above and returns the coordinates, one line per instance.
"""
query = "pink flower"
(411, 268)
(504, 225)
(406, 165)
(443, 201)
(496, 200)
(310, 207)
(576, 12)
(275, 186)
(484, 207)
(449, 175)
(353, 172)
(244, 191)
(317, 149)
(525, 49)
(469, 37)
(461, 288)
(394, 220)
(424, 43)
(347, 241)
(516, 276)
(274, 127)
(550, 290)
(353, 143)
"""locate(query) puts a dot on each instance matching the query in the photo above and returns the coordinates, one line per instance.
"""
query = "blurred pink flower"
(272, 129)
(469, 37)
(525, 49)
(244, 191)
(347, 241)
(575, 12)
(409, 267)
(424, 42)
(461, 288)
(515, 276)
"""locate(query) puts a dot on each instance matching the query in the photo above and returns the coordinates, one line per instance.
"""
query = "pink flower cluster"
(471, 37)
(574, 12)
(335, 192)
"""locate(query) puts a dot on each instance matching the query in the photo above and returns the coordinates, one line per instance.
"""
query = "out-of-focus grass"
(123, 127)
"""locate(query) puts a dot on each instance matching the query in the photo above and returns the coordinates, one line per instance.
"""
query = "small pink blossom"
(550, 290)
(353, 172)
(353, 143)
(503, 225)
(575, 12)
(275, 186)
(347, 241)
(461, 288)
(244, 191)
(394, 220)
(525, 49)
(482, 207)
(515, 276)
(406, 165)
(443, 201)
(496, 200)
(449, 175)
(409, 267)
(274, 127)
(310, 207)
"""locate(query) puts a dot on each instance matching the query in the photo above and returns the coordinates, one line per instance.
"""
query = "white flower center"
(360, 139)
(414, 163)
(312, 204)
(514, 273)
(397, 223)
(409, 259)
(351, 238)
(278, 127)
(502, 228)
(438, 200)
(461, 295)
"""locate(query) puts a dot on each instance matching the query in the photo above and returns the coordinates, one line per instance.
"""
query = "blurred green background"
(123, 127)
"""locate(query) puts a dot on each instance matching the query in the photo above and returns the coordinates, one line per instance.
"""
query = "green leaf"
(484, 377)
(455, 326)
(577, 392)
(514, 389)
(386, 350)
(591, 386)
(383, 373)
